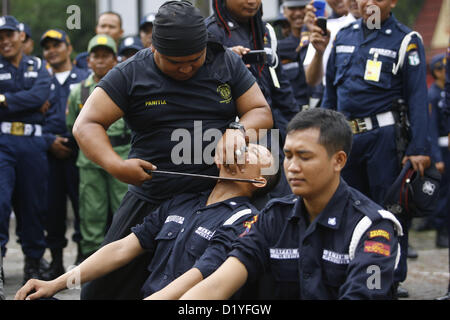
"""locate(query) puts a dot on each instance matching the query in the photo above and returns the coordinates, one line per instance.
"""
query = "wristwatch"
(237, 126)
(2, 100)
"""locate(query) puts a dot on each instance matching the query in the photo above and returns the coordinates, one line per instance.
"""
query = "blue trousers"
(24, 172)
(63, 183)
(439, 218)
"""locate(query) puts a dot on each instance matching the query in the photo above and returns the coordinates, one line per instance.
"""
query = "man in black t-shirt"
(186, 88)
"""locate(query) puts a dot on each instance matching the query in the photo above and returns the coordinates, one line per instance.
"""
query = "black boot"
(56, 267)
(80, 257)
(442, 238)
(43, 265)
(31, 269)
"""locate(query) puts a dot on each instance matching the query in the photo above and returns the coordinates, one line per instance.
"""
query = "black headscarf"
(179, 29)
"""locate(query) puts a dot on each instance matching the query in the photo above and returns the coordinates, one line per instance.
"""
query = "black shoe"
(2, 275)
(80, 256)
(44, 265)
(446, 297)
(442, 238)
(402, 292)
(56, 269)
(412, 253)
(31, 269)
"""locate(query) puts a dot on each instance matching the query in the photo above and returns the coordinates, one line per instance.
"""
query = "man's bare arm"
(220, 285)
(103, 261)
(179, 286)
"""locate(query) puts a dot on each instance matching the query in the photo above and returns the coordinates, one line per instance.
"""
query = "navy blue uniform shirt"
(347, 90)
(447, 88)
(439, 119)
(156, 105)
(292, 65)
(55, 118)
(185, 233)
(311, 260)
(26, 89)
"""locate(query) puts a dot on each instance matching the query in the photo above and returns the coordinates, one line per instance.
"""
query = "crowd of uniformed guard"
(356, 70)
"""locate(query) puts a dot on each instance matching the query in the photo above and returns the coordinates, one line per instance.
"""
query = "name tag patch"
(283, 254)
(384, 52)
(345, 49)
(5, 76)
(205, 233)
(31, 74)
(175, 218)
(335, 257)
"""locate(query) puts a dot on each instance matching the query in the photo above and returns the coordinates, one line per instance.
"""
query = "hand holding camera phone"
(321, 21)
(255, 57)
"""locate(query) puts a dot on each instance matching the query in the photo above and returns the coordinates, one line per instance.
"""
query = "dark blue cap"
(149, 18)
(130, 43)
(413, 195)
(55, 34)
(438, 61)
(25, 28)
(81, 60)
(9, 23)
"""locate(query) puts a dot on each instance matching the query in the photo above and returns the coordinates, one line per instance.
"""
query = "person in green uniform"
(100, 193)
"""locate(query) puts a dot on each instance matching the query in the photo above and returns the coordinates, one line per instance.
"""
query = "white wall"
(127, 9)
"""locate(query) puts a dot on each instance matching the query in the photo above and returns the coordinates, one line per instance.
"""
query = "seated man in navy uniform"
(188, 231)
(24, 88)
(327, 240)
(187, 85)
(371, 67)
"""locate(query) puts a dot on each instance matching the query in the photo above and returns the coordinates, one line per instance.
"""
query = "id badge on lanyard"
(373, 69)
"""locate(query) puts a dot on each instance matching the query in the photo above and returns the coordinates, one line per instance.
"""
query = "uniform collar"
(331, 216)
(232, 203)
(388, 24)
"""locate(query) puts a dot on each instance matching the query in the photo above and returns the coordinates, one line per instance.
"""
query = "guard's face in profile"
(180, 68)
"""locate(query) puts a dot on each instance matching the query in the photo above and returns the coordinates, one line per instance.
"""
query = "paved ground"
(428, 275)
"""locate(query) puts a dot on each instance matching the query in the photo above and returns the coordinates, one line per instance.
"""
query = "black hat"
(413, 195)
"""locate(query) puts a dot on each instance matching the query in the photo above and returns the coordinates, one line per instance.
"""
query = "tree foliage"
(42, 15)
(406, 11)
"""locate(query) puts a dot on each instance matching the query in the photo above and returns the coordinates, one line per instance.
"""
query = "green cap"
(102, 40)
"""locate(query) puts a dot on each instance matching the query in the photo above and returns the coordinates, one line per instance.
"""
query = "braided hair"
(256, 24)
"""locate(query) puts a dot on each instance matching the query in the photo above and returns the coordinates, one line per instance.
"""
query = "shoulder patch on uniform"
(377, 247)
(412, 46)
(248, 226)
(379, 233)
(414, 59)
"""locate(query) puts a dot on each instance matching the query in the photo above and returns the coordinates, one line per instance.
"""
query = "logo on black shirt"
(153, 103)
(225, 92)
